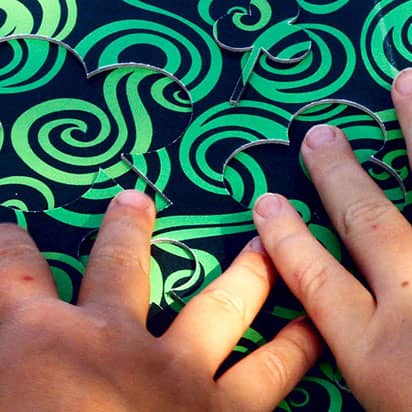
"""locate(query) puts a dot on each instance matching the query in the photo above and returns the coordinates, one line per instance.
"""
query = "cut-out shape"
(175, 271)
(147, 185)
(266, 27)
(88, 210)
(71, 123)
(275, 165)
(218, 132)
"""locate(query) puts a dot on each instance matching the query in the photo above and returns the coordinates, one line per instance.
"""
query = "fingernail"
(256, 245)
(132, 198)
(403, 82)
(318, 135)
(268, 205)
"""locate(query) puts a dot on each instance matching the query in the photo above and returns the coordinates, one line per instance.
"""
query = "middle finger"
(212, 322)
(378, 237)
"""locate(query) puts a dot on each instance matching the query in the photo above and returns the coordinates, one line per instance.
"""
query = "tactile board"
(203, 104)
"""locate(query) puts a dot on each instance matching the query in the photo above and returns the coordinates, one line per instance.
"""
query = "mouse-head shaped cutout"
(60, 124)
(267, 27)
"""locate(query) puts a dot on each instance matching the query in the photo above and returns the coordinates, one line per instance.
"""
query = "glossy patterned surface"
(84, 115)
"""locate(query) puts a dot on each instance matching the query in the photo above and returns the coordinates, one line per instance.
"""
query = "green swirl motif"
(181, 53)
(64, 139)
(386, 41)
(317, 76)
(218, 124)
(25, 70)
(61, 265)
(267, 166)
(137, 97)
(321, 7)
(58, 17)
(261, 31)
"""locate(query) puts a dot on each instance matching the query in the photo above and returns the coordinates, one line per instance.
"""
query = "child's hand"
(370, 332)
(98, 356)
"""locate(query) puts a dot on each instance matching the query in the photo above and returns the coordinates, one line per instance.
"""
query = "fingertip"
(402, 85)
(135, 200)
(269, 206)
(319, 135)
(255, 245)
(303, 332)
(323, 147)
(323, 136)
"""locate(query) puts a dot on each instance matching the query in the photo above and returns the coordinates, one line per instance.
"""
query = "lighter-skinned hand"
(368, 330)
(98, 355)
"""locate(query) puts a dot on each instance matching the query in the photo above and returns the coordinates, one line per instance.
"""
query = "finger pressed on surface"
(211, 324)
(377, 235)
(24, 273)
(402, 99)
(117, 275)
(262, 379)
(336, 301)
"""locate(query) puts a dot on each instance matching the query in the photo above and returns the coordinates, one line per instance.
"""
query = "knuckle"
(224, 301)
(328, 172)
(260, 274)
(114, 255)
(17, 250)
(104, 332)
(298, 351)
(363, 215)
(34, 316)
(287, 243)
(310, 277)
(275, 366)
(122, 220)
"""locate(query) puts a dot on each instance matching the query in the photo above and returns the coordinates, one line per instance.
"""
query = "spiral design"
(98, 97)
(317, 76)
(53, 18)
(386, 40)
(189, 52)
(29, 63)
(203, 140)
(64, 141)
(322, 7)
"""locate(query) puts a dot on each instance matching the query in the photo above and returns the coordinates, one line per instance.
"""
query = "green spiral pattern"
(388, 24)
(169, 41)
(58, 18)
(29, 59)
(321, 7)
(65, 140)
(319, 74)
(99, 97)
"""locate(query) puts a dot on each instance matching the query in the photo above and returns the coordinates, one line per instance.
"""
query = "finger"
(117, 274)
(263, 379)
(24, 273)
(213, 322)
(377, 235)
(402, 98)
(336, 302)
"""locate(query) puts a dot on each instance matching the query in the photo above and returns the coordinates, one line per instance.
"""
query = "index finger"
(376, 234)
(117, 275)
(334, 299)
